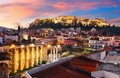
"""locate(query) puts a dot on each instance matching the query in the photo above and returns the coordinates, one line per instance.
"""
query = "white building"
(98, 55)
(104, 74)
(111, 43)
(95, 43)
(12, 37)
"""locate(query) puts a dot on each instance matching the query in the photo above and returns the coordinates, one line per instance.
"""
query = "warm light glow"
(32, 45)
(75, 45)
(25, 36)
(115, 63)
(12, 46)
(103, 45)
(48, 46)
(27, 57)
(58, 46)
(22, 46)
(43, 43)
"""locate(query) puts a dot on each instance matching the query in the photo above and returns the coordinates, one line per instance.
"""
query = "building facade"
(25, 57)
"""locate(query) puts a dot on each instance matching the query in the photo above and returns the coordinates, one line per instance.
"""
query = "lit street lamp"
(12, 46)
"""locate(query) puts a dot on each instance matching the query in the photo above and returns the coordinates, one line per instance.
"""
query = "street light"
(103, 45)
(49, 46)
(43, 43)
(22, 46)
(12, 46)
(58, 46)
(32, 45)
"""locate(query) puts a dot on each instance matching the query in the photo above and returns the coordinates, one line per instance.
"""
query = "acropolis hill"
(71, 21)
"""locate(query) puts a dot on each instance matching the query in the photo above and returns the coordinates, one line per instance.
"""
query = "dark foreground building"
(79, 67)
(4, 65)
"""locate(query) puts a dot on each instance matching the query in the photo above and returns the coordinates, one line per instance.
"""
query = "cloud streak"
(115, 21)
(76, 5)
(85, 5)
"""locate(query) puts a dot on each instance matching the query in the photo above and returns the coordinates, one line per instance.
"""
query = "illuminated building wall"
(25, 36)
(25, 57)
(66, 20)
(29, 56)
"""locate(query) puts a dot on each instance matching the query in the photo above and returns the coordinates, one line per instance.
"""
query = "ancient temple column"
(41, 52)
(53, 55)
(32, 56)
(16, 60)
(44, 53)
(28, 57)
(56, 53)
(38, 51)
(37, 55)
(22, 58)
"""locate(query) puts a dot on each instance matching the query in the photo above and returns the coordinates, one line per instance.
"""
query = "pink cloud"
(14, 11)
(115, 21)
(76, 5)
(63, 5)
(20, 12)
(110, 2)
(84, 5)
(14, 14)
(31, 2)
(88, 5)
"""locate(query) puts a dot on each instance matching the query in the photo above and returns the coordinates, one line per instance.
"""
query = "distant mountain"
(5, 28)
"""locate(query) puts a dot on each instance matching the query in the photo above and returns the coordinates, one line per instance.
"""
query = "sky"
(23, 12)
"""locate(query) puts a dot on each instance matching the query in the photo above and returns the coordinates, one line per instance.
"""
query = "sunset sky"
(23, 12)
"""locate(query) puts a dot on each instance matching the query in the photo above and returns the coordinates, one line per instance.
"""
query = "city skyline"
(14, 13)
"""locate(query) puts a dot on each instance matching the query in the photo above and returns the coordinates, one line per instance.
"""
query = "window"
(1, 73)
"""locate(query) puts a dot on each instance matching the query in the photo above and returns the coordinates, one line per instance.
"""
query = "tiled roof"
(85, 63)
(79, 67)
(56, 72)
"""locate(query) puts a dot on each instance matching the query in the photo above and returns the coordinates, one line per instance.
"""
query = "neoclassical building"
(25, 57)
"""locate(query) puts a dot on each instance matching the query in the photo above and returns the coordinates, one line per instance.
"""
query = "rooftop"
(60, 69)
(112, 57)
(114, 68)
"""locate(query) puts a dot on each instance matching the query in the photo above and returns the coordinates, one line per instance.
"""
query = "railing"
(27, 75)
